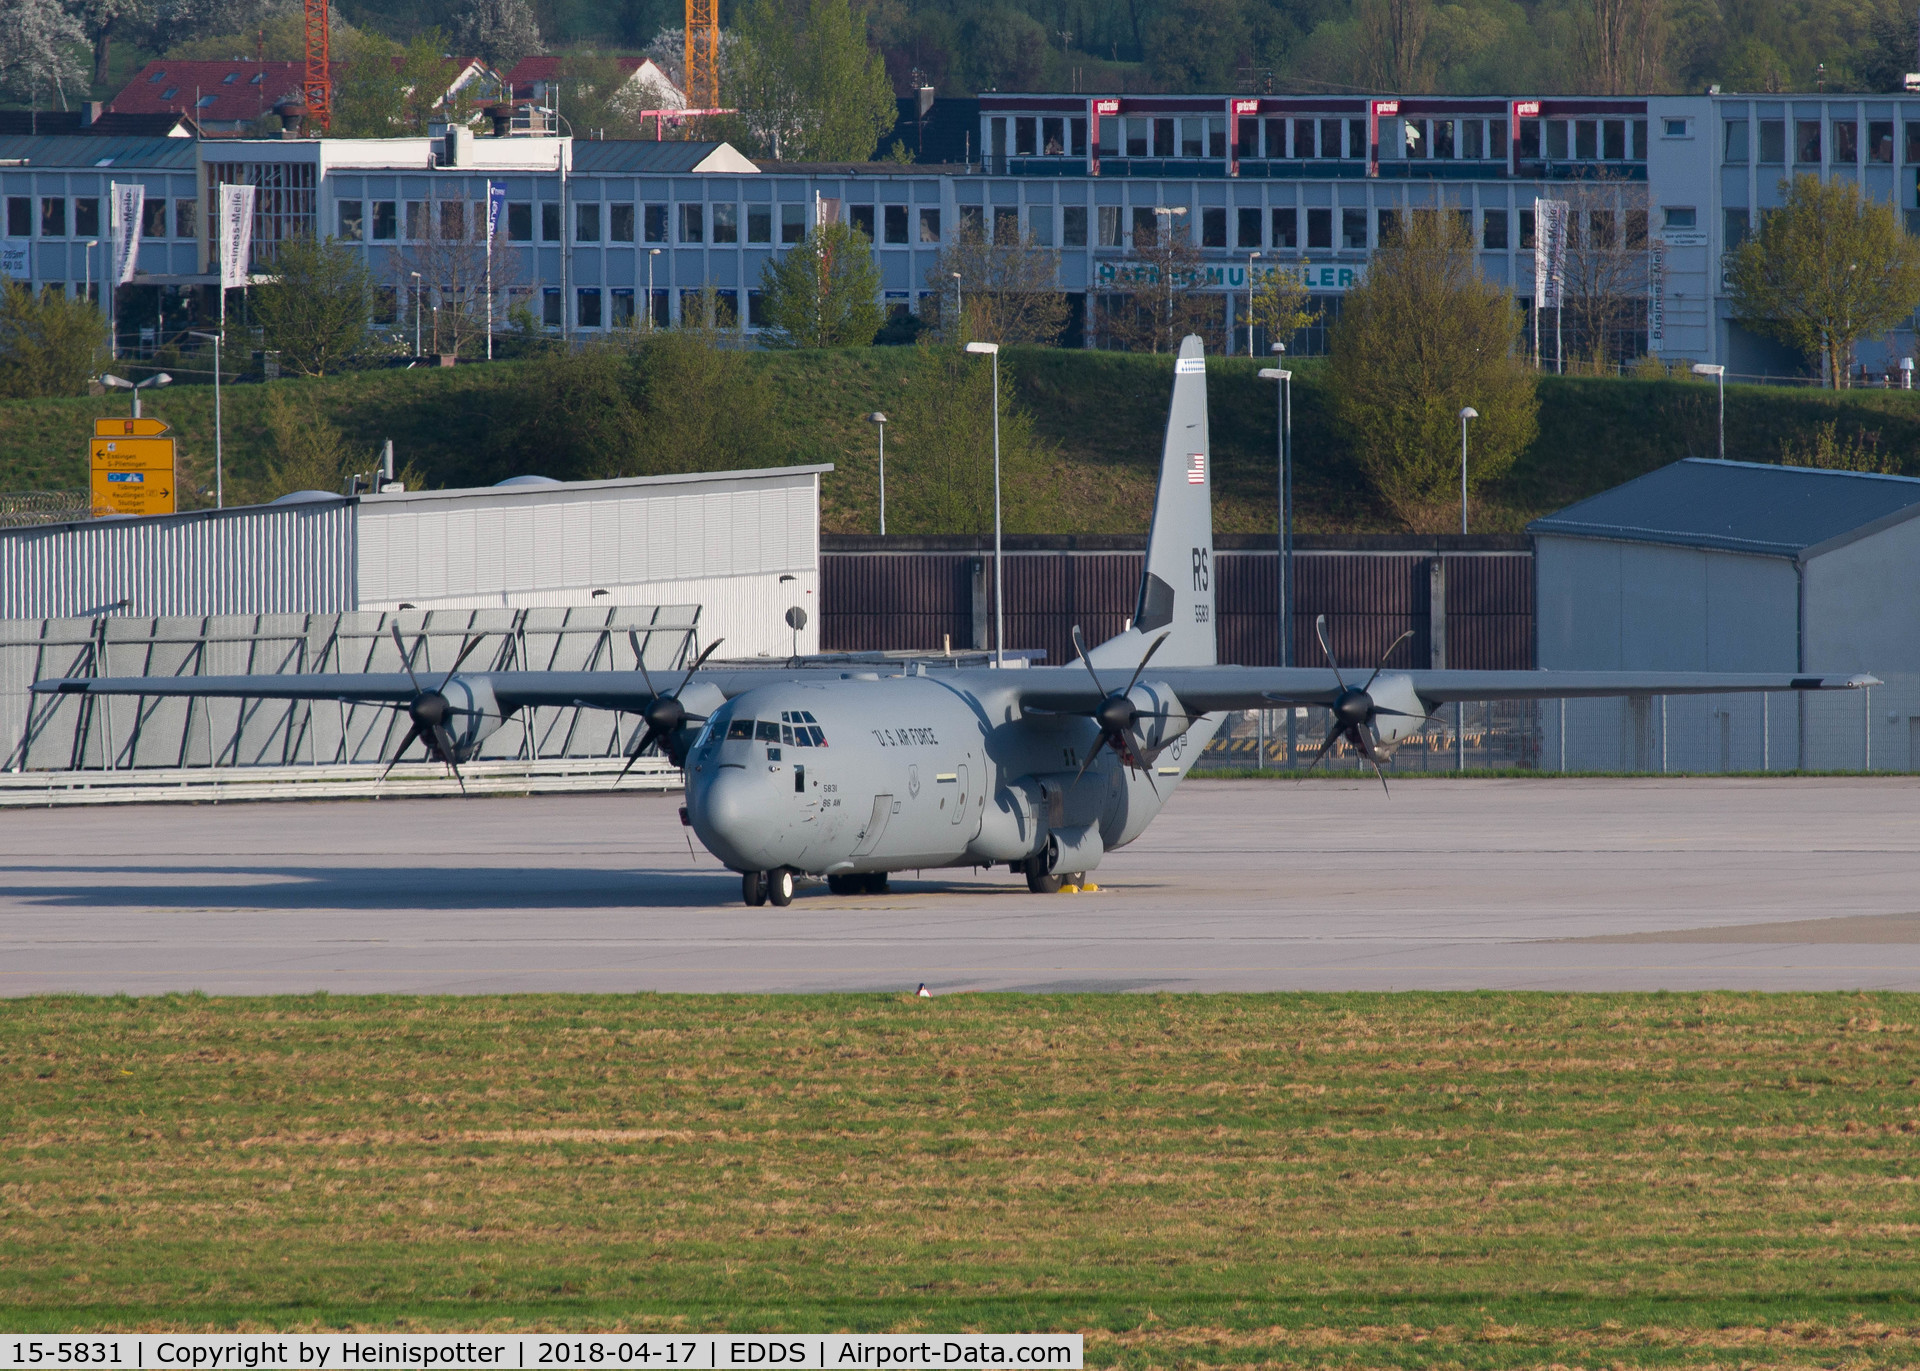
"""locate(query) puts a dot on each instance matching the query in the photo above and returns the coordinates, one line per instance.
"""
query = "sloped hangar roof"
(1769, 511)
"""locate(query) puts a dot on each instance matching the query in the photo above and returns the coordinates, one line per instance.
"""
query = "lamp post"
(119, 383)
(1468, 413)
(416, 314)
(1283, 441)
(1166, 276)
(999, 582)
(1719, 375)
(651, 254)
(87, 289)
(219, 465)
(959, 304)
(1250, 257)
(878, 418)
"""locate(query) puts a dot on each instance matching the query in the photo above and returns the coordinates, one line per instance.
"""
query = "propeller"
(430, 709)
(1116, 713)
(1354, 709)
(665, 715)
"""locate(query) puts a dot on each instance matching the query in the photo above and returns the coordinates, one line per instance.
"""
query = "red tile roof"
(213, 92)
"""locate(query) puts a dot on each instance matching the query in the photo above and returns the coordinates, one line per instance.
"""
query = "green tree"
(50, 343)
(940, 450)
(822, 292)
(1282, 305)
(315, 311)
(805, 83)
(1011, 291)
(1826, 269)
(1424, 336)
(1158, 295)
(385, 90)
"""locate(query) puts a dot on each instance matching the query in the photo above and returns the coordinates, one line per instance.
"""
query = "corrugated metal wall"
(273, 559)
(873, 601)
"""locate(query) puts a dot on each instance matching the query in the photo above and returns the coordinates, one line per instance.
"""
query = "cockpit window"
(740, 728)
(767, 731)
(800, 730)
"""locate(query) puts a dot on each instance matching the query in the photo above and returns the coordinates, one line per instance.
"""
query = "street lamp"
(1719, 375)
(1283, 440)
(87, 289)
(959, 307)
(1465, 414)
(219, 468)
(878, 418)
(1166, 276)
(651, 254)
(117, 383)
(416, 314)
(999, 582)
(1250, 257)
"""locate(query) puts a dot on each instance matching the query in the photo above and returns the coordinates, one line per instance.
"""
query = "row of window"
(79, 217)
(1582, 140)
(1841, 138)
(1205, 136)
(455, 221)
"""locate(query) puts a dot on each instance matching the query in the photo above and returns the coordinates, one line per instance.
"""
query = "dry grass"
(1431, 1180)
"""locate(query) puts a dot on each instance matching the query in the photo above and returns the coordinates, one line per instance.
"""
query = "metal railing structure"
(30, 508)
(131, 740)
(1872, 730)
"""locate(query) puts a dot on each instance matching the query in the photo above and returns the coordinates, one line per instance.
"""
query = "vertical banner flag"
(1549, 252)
(1657, 296)
(127, 206)
(236, 235)
(496, 206)
(829, 210)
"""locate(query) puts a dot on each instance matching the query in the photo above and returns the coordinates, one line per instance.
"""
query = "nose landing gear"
(758, 887)
(859, 883)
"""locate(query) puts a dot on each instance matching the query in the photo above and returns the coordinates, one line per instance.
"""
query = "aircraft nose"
(723, 809)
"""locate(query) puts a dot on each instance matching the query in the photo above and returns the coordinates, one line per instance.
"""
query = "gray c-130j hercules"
(851, 774)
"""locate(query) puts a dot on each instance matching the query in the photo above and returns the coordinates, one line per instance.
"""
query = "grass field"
(1103, 414)
(1359, 1180)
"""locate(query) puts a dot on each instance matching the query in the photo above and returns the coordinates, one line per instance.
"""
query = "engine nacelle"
(1395, 691)
(470, 729)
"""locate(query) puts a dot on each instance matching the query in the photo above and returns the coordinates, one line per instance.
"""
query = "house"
(534, 78)
(229, 97)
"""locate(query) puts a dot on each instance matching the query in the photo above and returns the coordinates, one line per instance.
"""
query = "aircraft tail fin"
(1176, 588)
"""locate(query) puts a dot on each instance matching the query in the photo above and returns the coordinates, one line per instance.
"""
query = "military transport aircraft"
(820, 770)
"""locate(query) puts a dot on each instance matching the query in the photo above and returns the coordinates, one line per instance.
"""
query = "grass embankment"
(1104, 414)
(1401, 1180)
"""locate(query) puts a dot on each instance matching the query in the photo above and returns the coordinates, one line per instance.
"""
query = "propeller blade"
(466, 648)
(405, 743)
(640, 660)
(1381, 774)
(406, 658)
(1383, 659)
(1143, 663)
(1320, 628)
(699, 662)
(1147, 771)
(1332, 738)
(444, 741)
(1080, 646)
(1100, 743)
(647, 740)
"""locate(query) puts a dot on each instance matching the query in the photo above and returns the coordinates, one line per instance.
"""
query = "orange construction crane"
(318, 86)
(703, 53)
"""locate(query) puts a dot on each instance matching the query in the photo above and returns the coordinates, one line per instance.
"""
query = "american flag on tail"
(1196, 468)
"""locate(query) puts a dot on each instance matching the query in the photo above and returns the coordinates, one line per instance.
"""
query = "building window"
(551, 307)
(519, 221)
(726, 309)
(53, 217)
(19, 216)
(1674, 128)
(352, 220)
(929, 225)
(1636, 230)
(1138, 132)
(1213, 228)
(1556, 140)
(588, 300)
(1737, 223)
(1389, 228)
(1773, 141)
(1353, 228)
(726, 223)
(1217, 138)
(1320, 228)
(1806, 140)
(1023, 136)
(86, 216)
(1736, 141)
(185, 216)
(793, 223)
(416, 221)
(1493, 230)
(756, 309)
(1846, 142)
(1473, 140)
(759, 223)
(1303, 137)
(549, 223)
(1880, 141)
(153, 219)
(1053, 141)
(693, 309)
(1496, 140)
(622, 309)
(620, 223)
(1078, 131)
(1526, 230)
(386, 305)
(1006, 225)
(1681, 216)
(1110, 226)
(973, 224)
(1145, 230)
(586, 223)
(861, 217)
(1040, 225)
(1249, 228)
(1275, 131)
(1286, 228)
(1073, 226)
(895, 223)
(1613, 145)
(693, 224)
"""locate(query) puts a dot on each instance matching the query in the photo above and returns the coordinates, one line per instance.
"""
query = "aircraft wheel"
(845, 885)
(875, 882)
(1039, 881)
(780, 886)
(753, 887)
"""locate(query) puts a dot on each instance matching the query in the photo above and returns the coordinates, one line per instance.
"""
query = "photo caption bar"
(429, 1351)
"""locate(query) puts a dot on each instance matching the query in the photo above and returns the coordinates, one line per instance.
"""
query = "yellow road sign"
(133, 492)
(129, 428)
(133, 454)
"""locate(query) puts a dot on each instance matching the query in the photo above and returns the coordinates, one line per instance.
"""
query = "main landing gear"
(860, 883)
(1042, 882)
(758, 887)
